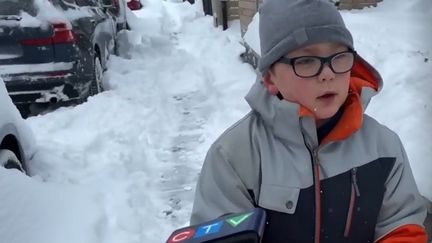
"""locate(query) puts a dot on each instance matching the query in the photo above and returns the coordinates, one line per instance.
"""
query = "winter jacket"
(354, 186)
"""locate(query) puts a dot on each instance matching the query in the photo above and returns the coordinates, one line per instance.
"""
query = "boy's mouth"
(327, 95)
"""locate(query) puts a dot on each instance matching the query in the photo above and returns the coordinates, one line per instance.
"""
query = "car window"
(107, 2)
(14, 7)
(90, 3)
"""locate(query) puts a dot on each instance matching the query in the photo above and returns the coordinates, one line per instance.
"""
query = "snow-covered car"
(56, 50)
(17, 144)
(118, 9)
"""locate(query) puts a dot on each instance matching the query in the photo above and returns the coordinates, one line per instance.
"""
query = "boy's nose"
(326, 73)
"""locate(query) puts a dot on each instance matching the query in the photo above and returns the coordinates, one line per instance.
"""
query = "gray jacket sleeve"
(402, 202)
(220, 189)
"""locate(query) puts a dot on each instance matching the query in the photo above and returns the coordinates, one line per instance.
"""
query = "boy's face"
(322, 94)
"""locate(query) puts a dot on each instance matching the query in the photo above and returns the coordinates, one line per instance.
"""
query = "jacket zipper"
(354, 181)
(355, 192)
(317, 186)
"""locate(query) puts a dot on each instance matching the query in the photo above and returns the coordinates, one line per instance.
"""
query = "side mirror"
(134, 5)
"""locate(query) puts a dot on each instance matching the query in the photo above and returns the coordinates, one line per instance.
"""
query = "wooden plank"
(248, 5)
(233, 4)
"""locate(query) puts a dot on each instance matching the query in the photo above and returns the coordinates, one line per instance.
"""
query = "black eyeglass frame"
(323, 60)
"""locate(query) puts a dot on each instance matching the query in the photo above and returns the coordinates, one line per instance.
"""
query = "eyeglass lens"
(311, 66)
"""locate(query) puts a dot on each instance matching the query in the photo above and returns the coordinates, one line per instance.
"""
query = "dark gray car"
(56, 51)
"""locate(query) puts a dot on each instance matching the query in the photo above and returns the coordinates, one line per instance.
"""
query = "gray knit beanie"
(286, 25)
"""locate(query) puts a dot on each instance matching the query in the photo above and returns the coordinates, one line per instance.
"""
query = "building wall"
(247, 9)
(357, 4)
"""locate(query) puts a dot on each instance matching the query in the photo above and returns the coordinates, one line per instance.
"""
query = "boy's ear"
(268, 83)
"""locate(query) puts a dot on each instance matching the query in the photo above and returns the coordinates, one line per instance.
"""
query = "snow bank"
(33, 211)
(10, 115)
(7, 106)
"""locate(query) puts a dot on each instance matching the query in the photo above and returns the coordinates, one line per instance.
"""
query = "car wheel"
(10, 161)
(96, 85)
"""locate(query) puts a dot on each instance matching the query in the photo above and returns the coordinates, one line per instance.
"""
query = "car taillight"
(61, 35)
(134, 5)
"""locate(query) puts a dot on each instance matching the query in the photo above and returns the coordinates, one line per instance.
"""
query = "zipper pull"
(315, 156)
(354, 181)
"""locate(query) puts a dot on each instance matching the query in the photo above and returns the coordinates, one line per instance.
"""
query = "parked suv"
(57, 50)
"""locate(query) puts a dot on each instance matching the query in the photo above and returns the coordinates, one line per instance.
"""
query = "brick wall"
(357, 4)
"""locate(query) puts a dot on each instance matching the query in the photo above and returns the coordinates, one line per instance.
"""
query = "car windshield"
(14, 7)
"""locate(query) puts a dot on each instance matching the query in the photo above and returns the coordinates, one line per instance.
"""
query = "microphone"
(247, 227)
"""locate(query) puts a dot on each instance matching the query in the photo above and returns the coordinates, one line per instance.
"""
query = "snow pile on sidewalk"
(122, 167)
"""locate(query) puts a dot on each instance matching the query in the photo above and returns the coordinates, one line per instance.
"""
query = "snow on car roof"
(45, 12)
(48, 13)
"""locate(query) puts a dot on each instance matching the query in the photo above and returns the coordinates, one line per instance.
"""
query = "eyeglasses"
(310, 66)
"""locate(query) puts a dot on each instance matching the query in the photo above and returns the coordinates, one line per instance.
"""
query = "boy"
(322, 169)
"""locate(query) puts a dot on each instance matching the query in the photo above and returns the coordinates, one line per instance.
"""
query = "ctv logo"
(206, 230)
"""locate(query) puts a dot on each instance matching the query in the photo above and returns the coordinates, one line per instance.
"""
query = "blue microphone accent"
(208, 229)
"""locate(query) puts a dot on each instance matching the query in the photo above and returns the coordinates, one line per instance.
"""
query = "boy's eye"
(341, 56)
(306, 61)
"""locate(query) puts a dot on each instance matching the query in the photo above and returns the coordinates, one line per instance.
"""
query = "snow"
(35, 68)
(39, 211)
(8, 56)
(251, 36)
(80, 12)
(10, 115)
(25, 20)
(122, 167)
(29, 21)
(48, 13)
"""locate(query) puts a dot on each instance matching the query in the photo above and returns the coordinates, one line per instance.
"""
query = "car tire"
(9, 160)
(96, 85)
